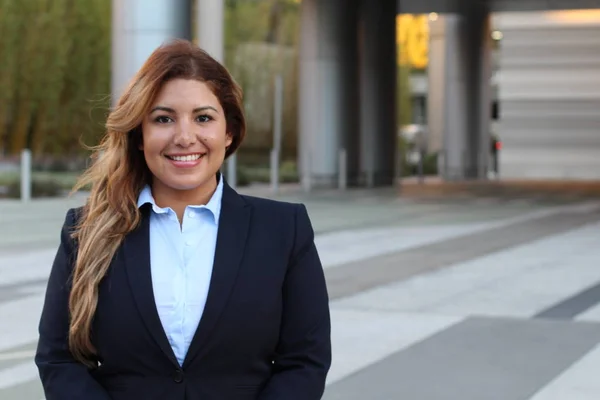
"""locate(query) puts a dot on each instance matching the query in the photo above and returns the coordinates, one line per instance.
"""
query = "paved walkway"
(36, 224)
(477, 299)
(520, 323)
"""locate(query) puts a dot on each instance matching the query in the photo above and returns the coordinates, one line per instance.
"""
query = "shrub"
(242, 177)
(39, 188)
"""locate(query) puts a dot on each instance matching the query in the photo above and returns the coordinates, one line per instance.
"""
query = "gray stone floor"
(473, 299)
(479, 358)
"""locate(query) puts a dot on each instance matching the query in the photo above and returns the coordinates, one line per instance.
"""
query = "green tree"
(10, 26)
(261, 41)
(55, 62)
(51, 82)
(87, 61)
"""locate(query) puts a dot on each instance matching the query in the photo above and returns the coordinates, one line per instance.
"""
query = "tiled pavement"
(469, 300)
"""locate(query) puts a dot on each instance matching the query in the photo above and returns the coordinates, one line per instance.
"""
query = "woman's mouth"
(190, 157)
(185, 160)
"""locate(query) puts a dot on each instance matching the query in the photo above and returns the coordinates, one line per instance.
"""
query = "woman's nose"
(185, 135)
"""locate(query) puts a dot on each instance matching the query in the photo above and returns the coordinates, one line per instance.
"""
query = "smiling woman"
(184, 140)
(168, 284)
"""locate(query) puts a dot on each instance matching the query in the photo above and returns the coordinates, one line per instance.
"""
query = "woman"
(168, 284)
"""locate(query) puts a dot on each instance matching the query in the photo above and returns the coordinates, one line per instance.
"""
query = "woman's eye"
(163, 119)
(203, 118)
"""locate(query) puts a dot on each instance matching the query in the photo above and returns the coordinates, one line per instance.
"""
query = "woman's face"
(184, 136)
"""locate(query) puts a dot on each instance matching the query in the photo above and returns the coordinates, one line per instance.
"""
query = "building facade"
(546, 84)
(549, 94)
(545, 91)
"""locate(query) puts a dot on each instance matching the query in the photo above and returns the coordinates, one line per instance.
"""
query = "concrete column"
(460, 93)
(328, 91)
(138, 28)
(349, 110)
(378, 69)
(210, 24)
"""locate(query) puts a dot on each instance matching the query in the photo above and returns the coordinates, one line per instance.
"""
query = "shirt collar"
(213, 205)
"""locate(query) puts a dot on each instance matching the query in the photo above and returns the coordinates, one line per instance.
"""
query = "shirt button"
(189, 243)
(178, 376)
(191, 214)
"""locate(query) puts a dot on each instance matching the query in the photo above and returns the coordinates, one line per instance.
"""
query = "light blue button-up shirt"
(181, 263)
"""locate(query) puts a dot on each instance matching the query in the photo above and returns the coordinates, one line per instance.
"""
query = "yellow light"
(412, 32)
(575, 17)
(433, 17)
(497, 35)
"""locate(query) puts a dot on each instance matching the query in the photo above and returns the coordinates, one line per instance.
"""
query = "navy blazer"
(264, 334)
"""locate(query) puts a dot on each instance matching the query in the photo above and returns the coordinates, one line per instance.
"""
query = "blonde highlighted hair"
(119, 172)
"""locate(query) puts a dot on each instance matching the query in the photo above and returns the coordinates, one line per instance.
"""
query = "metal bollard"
(26, 175)
(232, 171)
(275, 171)
(342, 170)
(277, 132)
(306, 173)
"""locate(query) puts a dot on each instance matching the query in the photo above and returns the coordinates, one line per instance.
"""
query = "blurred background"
(448, 153)
(465, 92)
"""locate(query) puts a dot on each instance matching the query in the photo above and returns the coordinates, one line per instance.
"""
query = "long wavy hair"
(119, 173)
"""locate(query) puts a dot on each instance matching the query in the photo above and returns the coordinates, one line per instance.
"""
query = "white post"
(277, 132)
(278, 113)
(398, 170)
(26, 175)
(306, 173)
(342, 168)
(232, 171)
(274, 171)
(210, 21)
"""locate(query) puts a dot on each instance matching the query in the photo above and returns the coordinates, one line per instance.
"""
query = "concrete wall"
(549, 91)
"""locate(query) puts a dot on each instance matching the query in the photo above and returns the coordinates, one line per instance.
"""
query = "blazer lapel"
(234, 222)
(137, 264)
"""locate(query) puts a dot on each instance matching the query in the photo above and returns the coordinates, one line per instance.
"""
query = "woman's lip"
(184, 155)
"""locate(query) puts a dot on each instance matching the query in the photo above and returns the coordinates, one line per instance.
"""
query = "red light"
(498, 145)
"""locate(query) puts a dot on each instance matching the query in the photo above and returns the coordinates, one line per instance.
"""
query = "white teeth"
(186, 158)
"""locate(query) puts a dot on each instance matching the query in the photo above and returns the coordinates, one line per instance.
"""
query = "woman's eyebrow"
(195, 110)
(162, 108)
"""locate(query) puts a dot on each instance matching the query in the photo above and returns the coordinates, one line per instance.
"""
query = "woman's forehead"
(186, 93)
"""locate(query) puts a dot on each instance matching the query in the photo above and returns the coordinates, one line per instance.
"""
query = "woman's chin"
(189, 183)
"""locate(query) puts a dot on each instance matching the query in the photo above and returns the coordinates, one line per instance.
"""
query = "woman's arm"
(303, 354)
(62, 376)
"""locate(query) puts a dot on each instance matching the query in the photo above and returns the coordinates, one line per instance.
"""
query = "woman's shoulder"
(73, 216)
(71, 221)
(262, 204)
(276, 209)
(283, 216)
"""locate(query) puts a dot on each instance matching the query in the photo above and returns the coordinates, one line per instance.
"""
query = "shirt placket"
(176, 235)
(189, 230)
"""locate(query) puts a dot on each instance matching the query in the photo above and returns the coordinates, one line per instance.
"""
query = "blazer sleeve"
(62, 376)
(303, 355)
